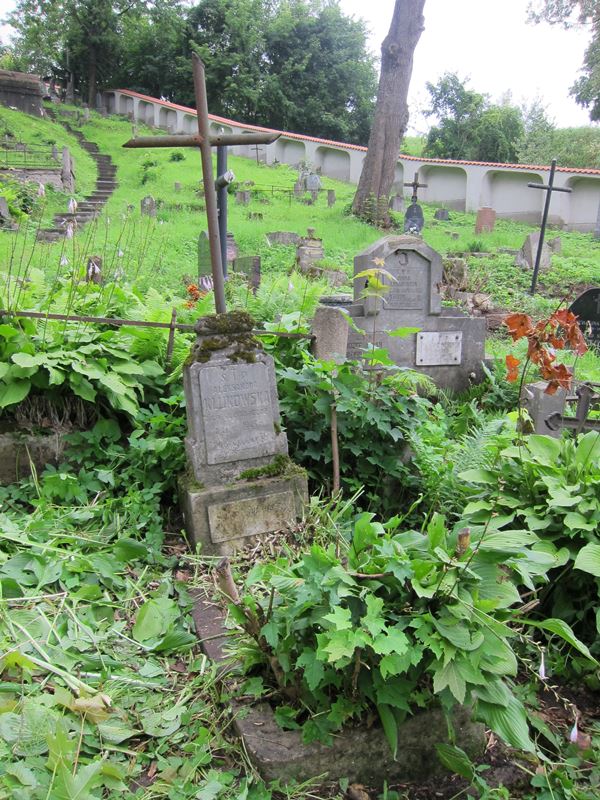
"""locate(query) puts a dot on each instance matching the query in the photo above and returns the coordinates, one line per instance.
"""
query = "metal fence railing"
(16, 155)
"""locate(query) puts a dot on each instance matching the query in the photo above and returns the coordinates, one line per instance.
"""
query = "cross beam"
(587, 399)
(415, 185)
(548, 188)
(204, 141)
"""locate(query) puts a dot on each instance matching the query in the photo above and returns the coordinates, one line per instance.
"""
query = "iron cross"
(415, 186)
(205, 142)
(548, 188)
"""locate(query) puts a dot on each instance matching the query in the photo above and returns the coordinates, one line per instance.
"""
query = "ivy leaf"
(373, 620)
(340, 646)
(392, 641)
(313, 668)
(340, 618)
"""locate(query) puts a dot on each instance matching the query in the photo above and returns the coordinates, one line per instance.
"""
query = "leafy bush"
(374, 416)
(391, 622)
(547, 492)
(176, 155)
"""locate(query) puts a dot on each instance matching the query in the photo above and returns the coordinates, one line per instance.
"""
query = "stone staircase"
(92, 204)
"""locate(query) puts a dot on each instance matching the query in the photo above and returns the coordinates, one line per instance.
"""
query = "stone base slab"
(19, 450)
(221, 519)
(358, 753)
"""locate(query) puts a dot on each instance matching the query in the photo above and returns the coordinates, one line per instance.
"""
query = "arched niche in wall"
(124, 105)
(445, 185)
(217, 128)
(333, 163)
(146, 112)
(398, 185)
(511, 198)
(190, 124)
(167, 119)
(584, 203)
(290, 151)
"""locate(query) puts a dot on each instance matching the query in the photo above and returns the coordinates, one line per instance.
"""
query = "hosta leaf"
(154, 619)
(14, 392)
(390, 726)
(28, 360)
(456, 760)
(509, 722)
(588, 560)
(560, 628)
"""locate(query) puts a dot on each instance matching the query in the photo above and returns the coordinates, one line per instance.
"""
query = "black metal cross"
(416, 185)
(205, 141)
(548, 188)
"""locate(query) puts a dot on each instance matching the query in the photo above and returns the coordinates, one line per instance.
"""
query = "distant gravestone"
(449, 346)
(397, 203)
(526, 256)
(250, 267)
(177, 186)
(309, 251)
(232, 248)
(4, 212)
(442, 214)
(148, 206)
(414, 219)
(313, 185)
(330, 197)
(204, 262)
(486, 219)
(283, 237)
(242, 198)
(587, 308)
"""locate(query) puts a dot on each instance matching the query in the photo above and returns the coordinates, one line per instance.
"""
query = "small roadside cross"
(548, 188)
(415, 186)
(205, 141)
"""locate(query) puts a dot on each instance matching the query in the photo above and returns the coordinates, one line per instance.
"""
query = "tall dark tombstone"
(587, 308)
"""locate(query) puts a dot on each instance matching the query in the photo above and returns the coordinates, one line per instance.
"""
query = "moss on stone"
(231, 332)
(281, 466)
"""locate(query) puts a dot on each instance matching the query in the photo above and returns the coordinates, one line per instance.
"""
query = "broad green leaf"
(115, 731)
(340, 618)
(4, 369)
(456, 760)
(28, 360)
(485, 476)
(313, 668)
(588, 449)
(588, 560)
(509, 722)
(544, 449)
(403, 332)
(154, 619)
(561, 629)
(82, 387)
(390, 726)
(14, 392)
(8, 332)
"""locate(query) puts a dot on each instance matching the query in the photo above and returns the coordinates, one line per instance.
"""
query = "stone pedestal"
(330, 329)
(240, 481)
(486, 219)
(540, 406)
(309, 251)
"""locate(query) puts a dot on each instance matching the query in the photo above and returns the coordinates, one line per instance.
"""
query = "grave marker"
(486, 219)
(204, 260)
(250, 267)
(233, 426)
(449, 346)
(587, 308)
(148, 206)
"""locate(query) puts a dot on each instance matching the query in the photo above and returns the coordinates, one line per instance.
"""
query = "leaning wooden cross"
(205, 142)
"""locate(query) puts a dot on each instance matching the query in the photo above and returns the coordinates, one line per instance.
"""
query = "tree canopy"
(470, 127)
(293, 64)
(586, 89)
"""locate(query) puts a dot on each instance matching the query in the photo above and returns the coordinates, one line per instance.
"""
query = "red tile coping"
(346, 146)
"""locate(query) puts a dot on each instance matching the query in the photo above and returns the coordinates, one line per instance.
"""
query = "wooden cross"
(548, 188)
(415, 186)
(205, 142)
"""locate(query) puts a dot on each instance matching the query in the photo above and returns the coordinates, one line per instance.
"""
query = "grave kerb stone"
(330, 330)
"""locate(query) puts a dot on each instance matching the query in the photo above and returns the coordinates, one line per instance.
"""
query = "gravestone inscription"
(587, 308)
(448, 345)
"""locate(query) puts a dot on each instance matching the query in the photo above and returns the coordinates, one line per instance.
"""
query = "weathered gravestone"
(526, 256)
(442, 214)
(204, 262)
(330, 197)
(242, 198)
(486, 219)
(148, 206)
(241, 484)
(587, 308)
(450, 346)
(249, 266)
(283, 237)
(177, 186)
(313, 185)
(414, 219)
(232, 248)
(397, 203)
(309, 251)
(5, 217)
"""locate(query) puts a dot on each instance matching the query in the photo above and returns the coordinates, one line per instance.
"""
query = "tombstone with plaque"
(414, 219)
(449, 345)
(587, 308)
(240, 482)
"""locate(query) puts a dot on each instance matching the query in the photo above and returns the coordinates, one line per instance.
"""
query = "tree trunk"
(92, 77)
(391, 112)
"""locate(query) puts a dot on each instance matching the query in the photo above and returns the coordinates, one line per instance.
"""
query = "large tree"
(391, 111)
(470, 127)
(586, 89)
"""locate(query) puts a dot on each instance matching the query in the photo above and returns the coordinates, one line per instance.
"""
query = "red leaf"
(512, 367)
(518, 325)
